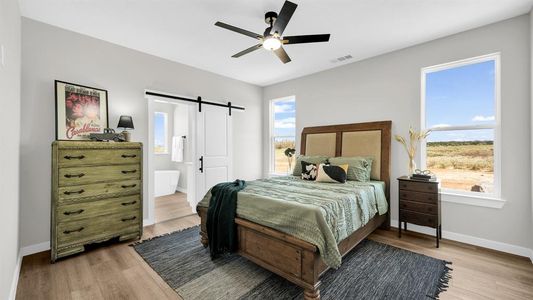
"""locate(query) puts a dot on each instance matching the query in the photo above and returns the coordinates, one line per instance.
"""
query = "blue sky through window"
(284, 117)
(159, 130)
(461, 96)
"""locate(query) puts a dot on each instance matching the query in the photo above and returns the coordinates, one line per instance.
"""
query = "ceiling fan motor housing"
(270, 17)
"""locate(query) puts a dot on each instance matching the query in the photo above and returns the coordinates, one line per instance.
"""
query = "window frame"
(467, 197)
(165, 116)
(272, 136)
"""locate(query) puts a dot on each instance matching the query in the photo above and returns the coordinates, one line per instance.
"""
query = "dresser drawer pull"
(74, 175)
(75, 157)
(74, 192)
(129, 186)
(129, 156)
(129, 203)
(129, 219)
(77, 212)
(128, 171)
(75, 230)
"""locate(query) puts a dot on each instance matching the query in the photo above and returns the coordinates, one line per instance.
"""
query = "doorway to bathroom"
(189, 151)
(172, 139)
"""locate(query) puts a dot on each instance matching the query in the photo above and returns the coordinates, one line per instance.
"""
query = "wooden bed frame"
(292, 258)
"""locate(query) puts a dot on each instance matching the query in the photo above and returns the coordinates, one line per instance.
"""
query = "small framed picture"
(80, 110)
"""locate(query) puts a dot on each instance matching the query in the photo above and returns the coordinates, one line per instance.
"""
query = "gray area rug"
(371, 271)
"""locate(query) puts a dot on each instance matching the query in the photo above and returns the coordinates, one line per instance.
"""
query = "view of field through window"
(283, 135)
(460, 110)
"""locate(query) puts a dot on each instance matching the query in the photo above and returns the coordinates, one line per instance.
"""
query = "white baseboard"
(181, 189)
(148, 222)
(36, 248)
(472, 240)
(16, 275)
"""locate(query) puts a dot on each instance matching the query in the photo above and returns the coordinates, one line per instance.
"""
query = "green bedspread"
(322, 214)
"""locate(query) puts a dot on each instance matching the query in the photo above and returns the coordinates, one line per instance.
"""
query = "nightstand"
(419, 203)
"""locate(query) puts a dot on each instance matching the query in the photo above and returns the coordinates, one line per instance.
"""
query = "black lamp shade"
(125, 122)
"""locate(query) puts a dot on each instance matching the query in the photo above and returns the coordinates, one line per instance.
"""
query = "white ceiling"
(183, 31)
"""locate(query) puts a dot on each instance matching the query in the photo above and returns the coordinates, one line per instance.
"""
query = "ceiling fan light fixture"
(271, 43)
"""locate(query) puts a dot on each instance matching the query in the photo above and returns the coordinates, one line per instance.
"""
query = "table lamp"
(126, 122)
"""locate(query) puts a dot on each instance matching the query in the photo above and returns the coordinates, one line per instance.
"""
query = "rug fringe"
(444, 280)
(160, 236)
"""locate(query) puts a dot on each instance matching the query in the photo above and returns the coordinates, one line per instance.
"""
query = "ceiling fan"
(273, 39)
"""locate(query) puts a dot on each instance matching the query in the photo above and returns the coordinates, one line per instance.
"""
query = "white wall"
(9, 152)
(387, 87)
(50, 53)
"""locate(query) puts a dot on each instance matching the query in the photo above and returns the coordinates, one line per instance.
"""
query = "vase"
(412, 166)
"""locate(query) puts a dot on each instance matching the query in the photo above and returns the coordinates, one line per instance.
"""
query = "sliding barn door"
(213, 148)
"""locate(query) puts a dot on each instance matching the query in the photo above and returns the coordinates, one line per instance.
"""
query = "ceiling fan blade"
(246, 51)
(301, 39)
(282, 55)
(284, 17)
(239, 30)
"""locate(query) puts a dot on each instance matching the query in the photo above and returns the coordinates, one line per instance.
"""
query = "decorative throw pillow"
(310, 159)
(359, 168)
(331, 173)
(309, 170)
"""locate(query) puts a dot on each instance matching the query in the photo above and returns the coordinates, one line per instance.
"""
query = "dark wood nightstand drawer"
(418, 196)
(419, 218)
(418, 186)
(419, 207)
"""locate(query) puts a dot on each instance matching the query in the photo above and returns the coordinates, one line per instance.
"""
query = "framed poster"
(80, 110)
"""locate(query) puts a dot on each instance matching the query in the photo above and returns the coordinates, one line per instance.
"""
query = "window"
(282, 135)
(460, 104)
(160, 133)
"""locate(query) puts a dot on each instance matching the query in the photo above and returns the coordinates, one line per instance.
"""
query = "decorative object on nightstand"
(419, 203)
(126, 122)
(414, 139)
(96, 194)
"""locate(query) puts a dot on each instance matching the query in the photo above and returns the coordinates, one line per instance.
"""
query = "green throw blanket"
(221, 229)
(322, 214)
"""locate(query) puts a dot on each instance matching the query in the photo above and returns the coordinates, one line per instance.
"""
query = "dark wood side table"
(419, 203)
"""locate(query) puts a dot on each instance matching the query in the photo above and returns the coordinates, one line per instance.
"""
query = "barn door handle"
(75, 157)
(201, 164)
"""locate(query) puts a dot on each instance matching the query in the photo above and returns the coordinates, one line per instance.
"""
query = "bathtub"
(165, 182)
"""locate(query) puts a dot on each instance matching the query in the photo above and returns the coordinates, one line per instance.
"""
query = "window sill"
(482, 201)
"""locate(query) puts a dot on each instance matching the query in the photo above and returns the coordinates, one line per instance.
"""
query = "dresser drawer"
(418, 218)
(84, 175)
(431, 198)
(419, 207)
(418, 186)
(78, 157)
(79, 211)
(70, 194)
(97, 228)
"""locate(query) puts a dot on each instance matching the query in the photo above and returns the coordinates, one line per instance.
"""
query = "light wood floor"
(171, 207)
(116, 271)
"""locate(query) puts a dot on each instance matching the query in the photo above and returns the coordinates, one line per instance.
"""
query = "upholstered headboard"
(372, 139)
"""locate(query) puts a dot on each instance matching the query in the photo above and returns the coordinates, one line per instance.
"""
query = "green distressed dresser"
(96, 194)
